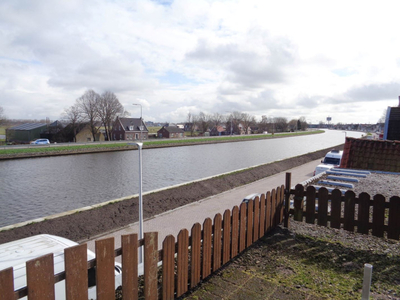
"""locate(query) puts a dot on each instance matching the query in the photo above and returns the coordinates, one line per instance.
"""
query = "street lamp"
(140, 127)
(140, 145)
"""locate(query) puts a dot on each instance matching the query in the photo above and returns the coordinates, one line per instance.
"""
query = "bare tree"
(280, 124)
(247, 120)
(73, 116)
(216, 119)
(203, 121)
(303, 123)
(88, 107)
(191, 120)
(2, 116)
(109, 108)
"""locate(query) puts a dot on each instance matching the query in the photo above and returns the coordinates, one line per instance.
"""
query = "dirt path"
(85, 224)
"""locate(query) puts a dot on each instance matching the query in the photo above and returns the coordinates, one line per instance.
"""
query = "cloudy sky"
(275, 58)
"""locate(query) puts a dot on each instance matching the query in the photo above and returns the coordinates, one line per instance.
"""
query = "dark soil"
(86, 224)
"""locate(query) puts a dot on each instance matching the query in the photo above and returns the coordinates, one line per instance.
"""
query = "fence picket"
(226, 239)
(40, 278)
(268, 211)
(168, 265)
(262, 215)
(394, 220)
(273, 208)
(298, 202)
(105, 284)
(323, 195)
(217, 239)
(76, 272)
(195, 257)
(182, 262)
(207, 245)
(349, 211)
(249, 229)
(310, 205)
(242, 232)
(235, 231)
(336, 208)
(280, 200)
(378, 215)
(129, 244)
(256, 219)
(6, 284)
(150, 265)
(363, 213)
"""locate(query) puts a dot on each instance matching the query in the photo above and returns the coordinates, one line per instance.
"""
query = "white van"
(15, 254)
(331, 160)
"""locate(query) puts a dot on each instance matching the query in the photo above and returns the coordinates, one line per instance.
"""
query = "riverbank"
(72, 149)
(81, 225)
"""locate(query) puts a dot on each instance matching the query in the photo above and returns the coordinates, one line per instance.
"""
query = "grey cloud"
(373, 92)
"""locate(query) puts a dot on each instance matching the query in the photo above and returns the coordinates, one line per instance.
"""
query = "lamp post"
(140, 145)
(140, 119)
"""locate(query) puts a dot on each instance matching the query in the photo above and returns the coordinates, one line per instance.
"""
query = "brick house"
(129, 129)
(170, 132)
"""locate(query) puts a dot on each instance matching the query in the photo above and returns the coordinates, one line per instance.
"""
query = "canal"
(38, 187)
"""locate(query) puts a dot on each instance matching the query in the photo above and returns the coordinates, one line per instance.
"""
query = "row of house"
(126, 129)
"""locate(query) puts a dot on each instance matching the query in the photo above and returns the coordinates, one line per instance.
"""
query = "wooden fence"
(185, 262)
(361, 214)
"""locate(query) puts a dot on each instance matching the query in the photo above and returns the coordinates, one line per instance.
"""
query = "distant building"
(170, 132)
(25, 133)
(129, 129)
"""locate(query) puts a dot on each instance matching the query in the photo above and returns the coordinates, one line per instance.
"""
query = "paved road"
(173, 221)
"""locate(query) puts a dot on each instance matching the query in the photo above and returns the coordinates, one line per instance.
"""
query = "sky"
(292, 59)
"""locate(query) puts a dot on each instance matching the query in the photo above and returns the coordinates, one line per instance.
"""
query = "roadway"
(173, 221)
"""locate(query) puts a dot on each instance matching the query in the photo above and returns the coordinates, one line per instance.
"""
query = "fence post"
(105, 283)
(235, 231)
(217, 237)
(195, 257)
(76, 272)
(207, 247)
(182, 262)
(150, 265)
(378, 216)
(298, 202)
(226, 239)
(394, 220)
(286, 220)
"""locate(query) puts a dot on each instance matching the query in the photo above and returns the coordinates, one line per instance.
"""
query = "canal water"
(38, 187)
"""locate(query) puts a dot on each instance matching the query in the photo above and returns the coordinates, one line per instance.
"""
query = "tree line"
(238, 122)
(95, 110)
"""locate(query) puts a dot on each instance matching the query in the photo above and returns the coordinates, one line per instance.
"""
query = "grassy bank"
(146, 144)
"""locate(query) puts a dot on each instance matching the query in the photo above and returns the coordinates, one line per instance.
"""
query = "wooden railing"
(185, 262)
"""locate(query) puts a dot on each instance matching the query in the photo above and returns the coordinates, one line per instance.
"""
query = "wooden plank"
(217, 242)
(363, 213)
(242, 224)
(7, 284)
(249, 229)
(310, 206)
(129, 244)
(394, 219)
(226, 239)
(195, 257)
(182, 262)
(150, 265)
(288, 182)
(349, 210)
(105, 282)
(168, 267)
(207, 244)
(268, 214)
(378, 215)
(336, 208)
(76, 272)
(262, 215)
(235, 232)
(256, 220)
(273, 209)
(298, 202)
(40, 278)
(323, 196)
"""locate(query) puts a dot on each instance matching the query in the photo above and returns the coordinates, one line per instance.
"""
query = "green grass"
(166, 142)
(3, 130)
